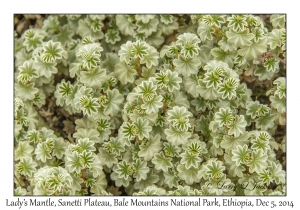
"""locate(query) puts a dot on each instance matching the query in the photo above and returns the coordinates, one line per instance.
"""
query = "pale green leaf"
(279, 104)
(142, 128)
(100, 184)
(229, 142)
(147, 28)
(107, 158)
(171, 179)
(274, 38)
(140, 170)
(186, 66)
(125, 25)
(277, 173)
(125, 73)
(23, 150)
(254, 50)
(151, 58)
(148, 150)
(265, 122)
(278, 20)
(205, 32)
(238, 127)
(258, 161)
(114, 102)
(91, 134)
(149, 181)
(239, 38)
(162, 162)
(190, 84)
(224, 56)
(188, 175)
(189, 159)
(93, 78)
(25, 91)
(232, 168)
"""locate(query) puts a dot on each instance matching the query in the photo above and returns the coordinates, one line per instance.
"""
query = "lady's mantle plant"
(151, 105)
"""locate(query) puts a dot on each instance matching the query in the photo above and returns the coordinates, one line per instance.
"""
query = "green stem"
(165, 106)
(138, 66)
(218, 32)
(137, 139)
(84, 179)
(18, 180)
(18, 48)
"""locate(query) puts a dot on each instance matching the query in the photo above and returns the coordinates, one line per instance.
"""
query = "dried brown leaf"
(114, 190)
(45, 113)
(68, 126)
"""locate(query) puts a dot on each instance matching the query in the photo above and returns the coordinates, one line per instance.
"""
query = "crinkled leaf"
(85, 28)
(142, 128)
(238, 126)
(279, 104)
(224, 56)
(140, 170)
(125, 26)
(171, 179)
(43, 152)
(126, 53)
(186, 66)
(205, 32)
(25, 91)
(91, 134)
(148, 150)
(241, 154)
(149, 181)
(226, 46)
(258, 161)
(114, 101)
(59, 147)
(277, 20)
(232, 168)
(151, 59)
(229, 142)
(24, 150)
(190, 160)
(156, 38)
(190, 84)
(94, 77)
(161, 162)
(265, 122)
(96, 167)
(274, 38)
(207, 93)
(107, 158)
(177, 137)
(188, 175)
(277, 173)
(65, 35)
(73, 162)
(152, 106)
(239, 38)
(214, 169)
(125, 73)
(262, 73)
(147, 28)
(144, 18)
(120, 181)
(100, 184)
(124, 170)
(254, 50)
(26, 166)
(180, 99)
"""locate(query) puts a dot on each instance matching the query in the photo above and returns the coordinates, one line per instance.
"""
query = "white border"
(153, 6)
